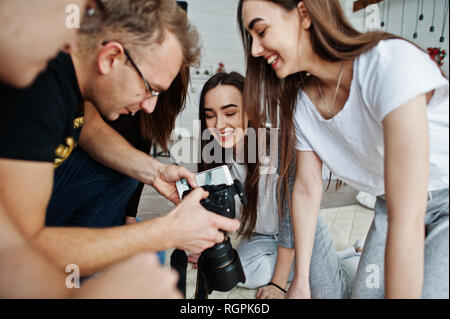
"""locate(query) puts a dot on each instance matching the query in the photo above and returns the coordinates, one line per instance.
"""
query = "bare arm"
(306, 198)
(406, 182)
(25, 189)
(108, 147)
(24, 273)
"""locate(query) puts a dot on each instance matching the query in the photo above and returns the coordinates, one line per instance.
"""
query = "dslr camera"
(219, 267)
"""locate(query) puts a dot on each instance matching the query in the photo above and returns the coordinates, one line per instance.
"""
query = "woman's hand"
(299, 291)
(269, 292)
(165, 181)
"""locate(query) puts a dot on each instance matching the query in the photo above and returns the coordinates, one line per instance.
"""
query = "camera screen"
(216, 176)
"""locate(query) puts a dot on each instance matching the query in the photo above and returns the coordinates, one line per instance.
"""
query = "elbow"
(311, 190)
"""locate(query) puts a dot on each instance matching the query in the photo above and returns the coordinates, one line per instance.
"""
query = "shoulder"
(43, 95)
(36, 119)
(393, 55)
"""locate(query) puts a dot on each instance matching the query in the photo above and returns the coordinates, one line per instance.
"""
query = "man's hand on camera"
(165, 181)
(196, 229)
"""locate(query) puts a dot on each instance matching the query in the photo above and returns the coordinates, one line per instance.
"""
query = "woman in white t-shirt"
(374, 109)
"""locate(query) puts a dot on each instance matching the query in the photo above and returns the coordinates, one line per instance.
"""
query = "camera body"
(219, 266)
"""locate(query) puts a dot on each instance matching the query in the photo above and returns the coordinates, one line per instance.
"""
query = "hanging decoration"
(438, 55)
(444, 23)
(415, 35)
(383, 14)
(403, 17)
(434, 15)
(421, 11)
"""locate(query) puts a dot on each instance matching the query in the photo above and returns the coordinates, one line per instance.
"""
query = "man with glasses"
(24, 272)
(73, 97)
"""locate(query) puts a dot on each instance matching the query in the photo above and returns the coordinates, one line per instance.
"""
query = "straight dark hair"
(249, 211)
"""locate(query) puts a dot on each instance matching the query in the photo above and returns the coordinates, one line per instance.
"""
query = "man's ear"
(305, 18)
(110, 56)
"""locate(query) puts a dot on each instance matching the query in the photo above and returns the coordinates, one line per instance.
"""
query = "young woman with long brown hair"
(266, 241)
(373, 108)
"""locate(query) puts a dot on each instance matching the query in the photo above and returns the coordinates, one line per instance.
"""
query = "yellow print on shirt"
(62, 152)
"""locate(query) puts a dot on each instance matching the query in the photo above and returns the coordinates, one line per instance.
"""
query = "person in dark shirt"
(44, 280)
(136, 61)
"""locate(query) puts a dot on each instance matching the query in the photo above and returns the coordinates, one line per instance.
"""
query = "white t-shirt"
(351, 144)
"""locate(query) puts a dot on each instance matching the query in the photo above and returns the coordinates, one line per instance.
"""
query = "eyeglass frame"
(147, 85)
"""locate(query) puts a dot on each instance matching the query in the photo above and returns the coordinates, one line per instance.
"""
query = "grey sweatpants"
(369, 281)
(330, 276)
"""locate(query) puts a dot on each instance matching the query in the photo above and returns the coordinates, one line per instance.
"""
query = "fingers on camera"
(198, 194)
(226, 223)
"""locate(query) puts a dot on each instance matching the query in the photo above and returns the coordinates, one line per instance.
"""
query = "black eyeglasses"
(147, 85)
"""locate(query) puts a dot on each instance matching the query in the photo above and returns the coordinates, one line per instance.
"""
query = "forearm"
(304, 221)
(404, 260)
(405, 243)
(24, 273)
(109, 148)
(94, 249)
(285, 257)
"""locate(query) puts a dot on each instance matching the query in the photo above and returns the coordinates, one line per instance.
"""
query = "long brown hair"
(249, 211)
(333, 39)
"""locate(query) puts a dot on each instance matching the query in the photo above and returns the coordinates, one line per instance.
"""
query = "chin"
(113, 117)
(109, 116)
(281, 74)
(227, 145)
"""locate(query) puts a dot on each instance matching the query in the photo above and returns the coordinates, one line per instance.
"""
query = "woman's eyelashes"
(210, 116)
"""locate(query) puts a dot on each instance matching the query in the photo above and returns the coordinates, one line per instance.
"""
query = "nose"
(221, 122)
(257, 49)
(149, 104)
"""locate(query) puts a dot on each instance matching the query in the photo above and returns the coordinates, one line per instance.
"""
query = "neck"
(328, 72)
(81, 73)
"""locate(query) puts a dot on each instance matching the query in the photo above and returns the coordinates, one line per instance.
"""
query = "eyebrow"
(253, 22)
(223, 107)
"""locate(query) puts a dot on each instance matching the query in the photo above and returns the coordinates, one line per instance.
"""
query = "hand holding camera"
(195, 228)
(219, 266)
